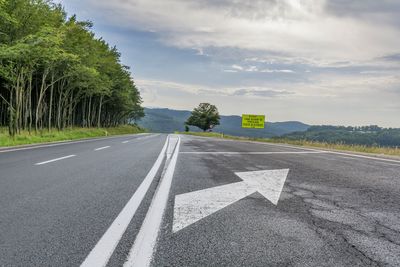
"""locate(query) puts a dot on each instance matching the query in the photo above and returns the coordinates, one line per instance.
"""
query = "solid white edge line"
(101, 253)
(363, 157)
(66, 142)
(142, 250)
(101, 148)
(52, 160)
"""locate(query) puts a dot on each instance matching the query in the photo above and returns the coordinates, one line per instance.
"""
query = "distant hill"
(168, 120)
(364, 135)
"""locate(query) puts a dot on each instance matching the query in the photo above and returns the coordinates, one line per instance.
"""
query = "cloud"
(261, 93)
(289, 58)
(252, 68)
(233, 71)
(276, 71)
(237, 67)
(311, 30)
(152, 86)
(325, 99)
(334, 86)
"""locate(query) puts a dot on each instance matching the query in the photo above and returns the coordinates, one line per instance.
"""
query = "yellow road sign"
(253, 121)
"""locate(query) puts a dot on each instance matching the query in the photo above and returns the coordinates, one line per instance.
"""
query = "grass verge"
(54, 135)
(390, 151)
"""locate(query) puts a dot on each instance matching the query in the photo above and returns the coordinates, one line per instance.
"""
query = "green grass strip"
(54, 135)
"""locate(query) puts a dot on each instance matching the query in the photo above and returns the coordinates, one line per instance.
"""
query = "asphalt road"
(208, 202)
(53, 214)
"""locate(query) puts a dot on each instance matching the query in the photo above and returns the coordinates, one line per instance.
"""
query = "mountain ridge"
(167, 120)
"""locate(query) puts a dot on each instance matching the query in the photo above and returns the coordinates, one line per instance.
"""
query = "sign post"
(253, 121)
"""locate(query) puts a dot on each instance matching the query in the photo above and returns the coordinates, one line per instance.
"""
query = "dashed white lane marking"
(140, 138)
(101, 253)
(52, 160)
(253, 153)
(101, 148)
(62, 143)
(141, 253)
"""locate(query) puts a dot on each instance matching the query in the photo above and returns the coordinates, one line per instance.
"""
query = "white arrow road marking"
(194, 206)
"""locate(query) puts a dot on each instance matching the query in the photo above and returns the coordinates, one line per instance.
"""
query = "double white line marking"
(142, 250)
(141, 253)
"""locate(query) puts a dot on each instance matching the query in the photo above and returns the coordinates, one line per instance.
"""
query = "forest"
(364, 135)
(55, 73)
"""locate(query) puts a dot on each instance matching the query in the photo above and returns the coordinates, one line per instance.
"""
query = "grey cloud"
(261, 93)
(304, 29)
(256, 9)
(393, 57)
(361, 7)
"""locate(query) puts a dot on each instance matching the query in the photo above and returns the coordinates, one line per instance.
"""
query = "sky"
(316, 61)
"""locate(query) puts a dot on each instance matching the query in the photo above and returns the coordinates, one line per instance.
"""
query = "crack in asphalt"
(318, 225)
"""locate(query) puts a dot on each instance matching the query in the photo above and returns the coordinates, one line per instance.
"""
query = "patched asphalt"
(334, 210)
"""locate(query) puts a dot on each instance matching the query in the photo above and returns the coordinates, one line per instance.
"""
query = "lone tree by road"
(205, 117)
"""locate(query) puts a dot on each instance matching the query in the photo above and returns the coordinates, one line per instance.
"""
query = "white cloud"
(371, 100)
(277, 71)
(336, 61)
(233, 71)
(251, 68)
(305, 29)
(237, 67)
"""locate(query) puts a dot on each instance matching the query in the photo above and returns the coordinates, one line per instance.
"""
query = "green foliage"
(205, 117)
(68, 134)
(186, 128)
(54, 72)
(364, 135)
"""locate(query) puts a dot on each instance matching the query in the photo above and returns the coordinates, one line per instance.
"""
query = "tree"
(205, 117)
(54, 72)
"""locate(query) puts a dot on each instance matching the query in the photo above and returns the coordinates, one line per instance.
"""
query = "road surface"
(158, 200)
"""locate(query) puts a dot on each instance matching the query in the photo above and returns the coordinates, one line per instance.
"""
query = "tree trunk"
(51, 102)
(41, 95)
(99, 115)
(11, 129)
(89, 111)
